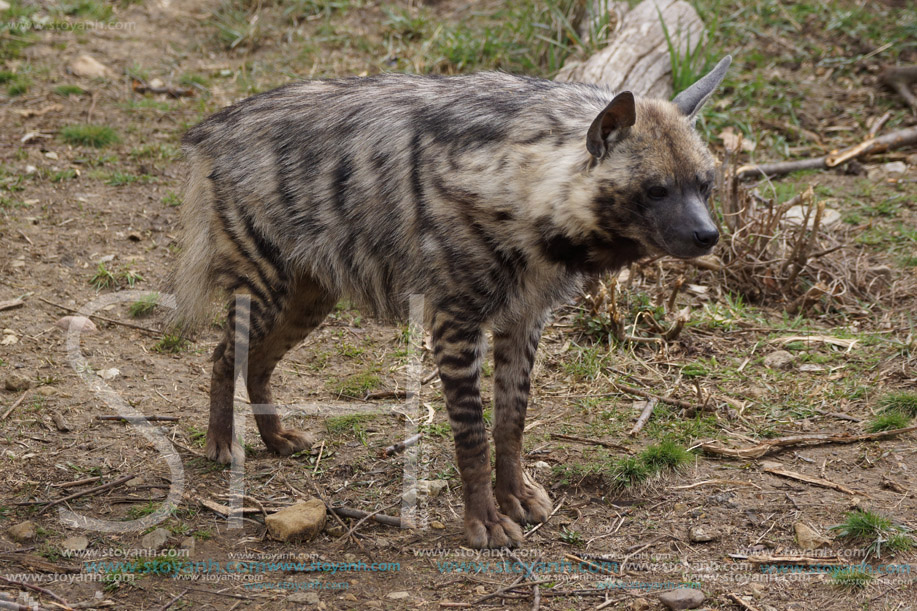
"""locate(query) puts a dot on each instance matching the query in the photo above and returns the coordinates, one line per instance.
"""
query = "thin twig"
(10, 409)
(560, 504)
(401, 446)
(138, 419)
(644, 417)
(774, 445)
(585, 440)
(368, 516)
(89, 491)
(173, 600)
(630, 390)
(34, 588)
(103, 318)
(347, 512)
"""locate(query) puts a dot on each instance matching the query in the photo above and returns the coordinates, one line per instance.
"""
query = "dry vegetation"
(780, 371)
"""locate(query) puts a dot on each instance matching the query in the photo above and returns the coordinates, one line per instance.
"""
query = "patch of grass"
(103, 278)
(18, 87)
(628, 471)
(198, 437)
(68, 90)
(688, 66)
(171, 199)
(96, 136)
(851, 577)
(353, 423)
(157, 151)
(144, 306)
(62, 175)
(888, 421)
(139, 511)
(7, 76)
(572, 537)
(119, 179)
(903, 402)
(171, 344)
(664, 456)
(91, 10)
(586, 363)
(356, 385)
(875, 530)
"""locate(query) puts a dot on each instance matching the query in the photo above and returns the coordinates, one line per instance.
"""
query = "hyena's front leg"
(519, 495)
(458, 349)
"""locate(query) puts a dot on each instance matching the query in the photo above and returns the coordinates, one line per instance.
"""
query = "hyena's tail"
(194, 280)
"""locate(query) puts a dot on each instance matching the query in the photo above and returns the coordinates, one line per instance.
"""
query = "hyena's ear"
(691, 100)
(619, 113)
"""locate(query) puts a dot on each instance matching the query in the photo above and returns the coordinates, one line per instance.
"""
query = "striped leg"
(221, 444)
(458, 349)
(271, 334)
(307, 308)
(520, 497)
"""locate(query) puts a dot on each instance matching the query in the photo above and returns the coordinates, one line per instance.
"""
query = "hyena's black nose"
(706, 238)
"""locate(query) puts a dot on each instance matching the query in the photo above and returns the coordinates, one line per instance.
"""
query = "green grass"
(350, 424)
(356, 385)
(874, 530)
(120, 179)
(144, 306)
(623, 472)
(902, 402)
(851, 578)
(171, 199)
(103, 278)
(888, 421)
(96, 136)
(171, 344)
(69, 90)
(62, 175)
(90, 10)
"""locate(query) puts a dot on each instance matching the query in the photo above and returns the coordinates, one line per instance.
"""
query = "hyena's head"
(652, 172)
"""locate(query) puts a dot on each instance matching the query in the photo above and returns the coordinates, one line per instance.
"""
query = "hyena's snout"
(692, 233)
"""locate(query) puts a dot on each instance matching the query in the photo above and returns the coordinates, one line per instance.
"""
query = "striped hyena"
(493, 195)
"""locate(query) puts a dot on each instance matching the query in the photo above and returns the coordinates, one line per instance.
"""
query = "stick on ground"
(888, 142)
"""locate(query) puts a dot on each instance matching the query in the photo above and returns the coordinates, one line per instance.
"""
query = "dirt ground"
(84, 228)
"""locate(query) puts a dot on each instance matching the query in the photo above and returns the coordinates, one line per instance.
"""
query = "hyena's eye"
(657, 192)
(706, 188)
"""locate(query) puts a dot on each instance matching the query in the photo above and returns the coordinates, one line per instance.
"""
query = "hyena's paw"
(524, 501)
(494, 531)
(223, 451)
(288, 441)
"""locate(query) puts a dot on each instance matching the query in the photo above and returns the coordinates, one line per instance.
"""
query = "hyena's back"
(380, 187)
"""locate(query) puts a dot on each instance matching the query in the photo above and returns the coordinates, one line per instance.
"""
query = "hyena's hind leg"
(520, 497)
(267, 336)
(458, 349)
(306, 308)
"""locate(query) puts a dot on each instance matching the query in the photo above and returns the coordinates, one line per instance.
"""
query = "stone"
(90, 67)
(80, 324)
(77, 543)
(796, 215)
(431, 488)
(682, 598)
(155, 539)
(398, 595)
(640, 604)
(301, 521)
(188, 543)
(542, 466)
(809, 538)
(437, 525)
(17, 382)
(22, 532)
(778, 359)
(895, 167)
(304, 598)
(701, 534)
(110, 374)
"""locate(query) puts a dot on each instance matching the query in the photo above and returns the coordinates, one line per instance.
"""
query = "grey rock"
(682, 598)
